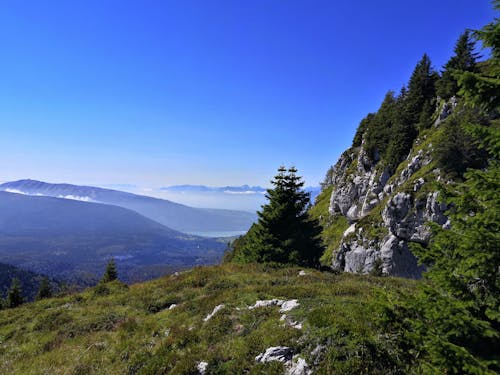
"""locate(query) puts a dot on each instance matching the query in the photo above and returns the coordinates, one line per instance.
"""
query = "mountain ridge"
(73, 240)
(173, 215)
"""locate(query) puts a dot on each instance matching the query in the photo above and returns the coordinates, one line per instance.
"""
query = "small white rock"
(275, 353)
(172, 306)
(202, 367)
(289, 305)
(216, 309)
(298, 366)
(266, 303)
(302, 273)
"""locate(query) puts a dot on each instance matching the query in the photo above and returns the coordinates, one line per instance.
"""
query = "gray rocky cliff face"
(356, 194)
(398, 207)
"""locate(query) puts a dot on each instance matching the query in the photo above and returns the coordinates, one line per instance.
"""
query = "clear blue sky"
(204, 92)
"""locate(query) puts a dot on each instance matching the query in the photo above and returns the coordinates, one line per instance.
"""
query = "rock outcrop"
(386, 209)
(275, 353)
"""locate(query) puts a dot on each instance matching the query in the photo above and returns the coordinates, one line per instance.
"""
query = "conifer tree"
(414, 108)
(464, 60)
(284, 232)
(380, 128)
(14, 295)
(482, 89)
(44, 291)
(110, 274)
(457, 324)
(421, 89)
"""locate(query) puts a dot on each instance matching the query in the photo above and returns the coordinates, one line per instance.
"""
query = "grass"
(333, 226)
(131, 330)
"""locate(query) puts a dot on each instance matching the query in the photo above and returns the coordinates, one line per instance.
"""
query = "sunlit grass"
(132, 330)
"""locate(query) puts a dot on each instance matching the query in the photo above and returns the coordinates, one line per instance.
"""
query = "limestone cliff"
(384, 211)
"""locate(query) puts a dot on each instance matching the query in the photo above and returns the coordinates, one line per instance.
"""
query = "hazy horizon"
(199, 196)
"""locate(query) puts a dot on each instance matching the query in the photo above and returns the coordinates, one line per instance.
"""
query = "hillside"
(376, 203)
(73, 240)
(173, 215)
(164, 326)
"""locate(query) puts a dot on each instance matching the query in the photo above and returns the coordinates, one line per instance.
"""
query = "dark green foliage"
(416, 106)
(363, 126)
(284, 233)
(110, 274)
(380, 127)
(452, 325)
(29, 280)
(421, 89)
(14, 295)
(455, 150)
(44, 291)
(482, 89)
(457, 321)
(377, 267)
(389, 134)
(464, 60)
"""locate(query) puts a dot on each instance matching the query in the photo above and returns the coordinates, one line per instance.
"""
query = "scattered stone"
(318, 350)
(202, 367)
(302, 273)
(216, 309)
(288, 305)
(447, 225)
(266, 303)
(418, 184)
(167, 332)
(172, 306)
(275, 353)
(298, 366)
(285, 305)
(351, 229)
(290, 322)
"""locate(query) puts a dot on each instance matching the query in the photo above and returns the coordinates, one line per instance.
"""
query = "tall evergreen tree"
(414, 108)
(44, 291)
(284, 233)
(457, 322)
(14, 295)
(363, 126)
(421, 89)
(110, 274)
(464, 60)
(456, 326)
(482, 88)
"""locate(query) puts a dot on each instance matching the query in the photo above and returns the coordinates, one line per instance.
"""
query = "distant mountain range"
(72, 240)
(243, 189)
(173, 215)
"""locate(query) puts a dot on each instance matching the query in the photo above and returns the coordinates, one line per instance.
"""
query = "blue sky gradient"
(156, 93)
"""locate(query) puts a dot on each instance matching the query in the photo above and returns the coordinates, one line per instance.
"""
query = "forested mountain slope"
(72, 240)
(384, 190)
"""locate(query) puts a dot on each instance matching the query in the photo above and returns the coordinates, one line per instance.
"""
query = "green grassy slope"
(120, 329)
